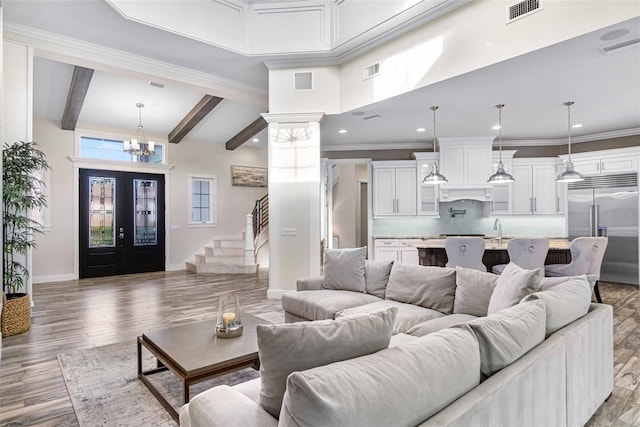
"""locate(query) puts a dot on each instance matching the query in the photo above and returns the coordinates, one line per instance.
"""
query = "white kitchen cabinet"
(561, 193)
(396, 251)
(466, 162)
(501, 196)
(606, 161)
(428, 194)
(534, 190)
(394, 188)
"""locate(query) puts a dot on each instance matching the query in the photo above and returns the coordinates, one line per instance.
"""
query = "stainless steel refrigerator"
(608, 206)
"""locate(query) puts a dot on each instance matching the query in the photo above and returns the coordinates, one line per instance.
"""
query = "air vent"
(522, 9)
(606, 181)
(620, 47)
(303, 81)
(375, 116)
(156, 84)
(371, 71)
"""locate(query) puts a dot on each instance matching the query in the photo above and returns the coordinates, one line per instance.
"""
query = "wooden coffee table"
(194, 353)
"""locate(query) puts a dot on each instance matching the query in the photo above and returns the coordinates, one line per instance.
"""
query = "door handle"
(121, 235)
(535, 204)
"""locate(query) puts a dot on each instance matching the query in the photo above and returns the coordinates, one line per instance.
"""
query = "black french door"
(121, 223)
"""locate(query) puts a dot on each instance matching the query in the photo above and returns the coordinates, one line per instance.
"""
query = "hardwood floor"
(87, 313)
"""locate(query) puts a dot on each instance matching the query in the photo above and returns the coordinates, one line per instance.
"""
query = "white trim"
(292, 117)
(116, 136)
(213, 200)
(52, 278)
(175, 267)
(82, 163)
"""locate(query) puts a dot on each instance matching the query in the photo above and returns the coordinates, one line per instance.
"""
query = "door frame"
(82, 163)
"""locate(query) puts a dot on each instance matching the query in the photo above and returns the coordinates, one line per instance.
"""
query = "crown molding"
(61, 48)
(574, 139)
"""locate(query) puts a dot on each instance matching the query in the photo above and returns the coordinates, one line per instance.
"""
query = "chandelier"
(139, 146)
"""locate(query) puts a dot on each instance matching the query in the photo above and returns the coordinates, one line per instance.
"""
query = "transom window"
(202, 200)
(112, 149)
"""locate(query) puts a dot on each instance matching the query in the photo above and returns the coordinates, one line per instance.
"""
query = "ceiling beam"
(75, 98)
(197, 113)
(247, 133)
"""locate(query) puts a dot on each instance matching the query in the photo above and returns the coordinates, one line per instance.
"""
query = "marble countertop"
(491, 242)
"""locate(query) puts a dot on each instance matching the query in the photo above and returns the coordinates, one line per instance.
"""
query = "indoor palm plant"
(22, 163)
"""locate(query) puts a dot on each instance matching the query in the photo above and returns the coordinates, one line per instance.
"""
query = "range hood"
(467, 163)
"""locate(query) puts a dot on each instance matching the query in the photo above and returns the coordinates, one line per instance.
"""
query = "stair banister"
(249, 248)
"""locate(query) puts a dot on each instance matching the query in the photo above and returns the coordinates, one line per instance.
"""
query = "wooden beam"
(75, 98)
(197, 113)
(247, 133)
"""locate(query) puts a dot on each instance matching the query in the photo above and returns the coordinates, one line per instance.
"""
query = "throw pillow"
(291, 347)
(376, 276)
(513, 284)
(344, 269)
(565, 302)
(505, 336)
(429, 287)
(399, 386)
(473, 291)
(549, 282)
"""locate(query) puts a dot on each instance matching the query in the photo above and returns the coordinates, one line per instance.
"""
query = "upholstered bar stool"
(465, 252)
(526, 253)
(586, 258)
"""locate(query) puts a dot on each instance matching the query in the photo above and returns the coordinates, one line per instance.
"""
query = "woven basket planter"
(16, 315)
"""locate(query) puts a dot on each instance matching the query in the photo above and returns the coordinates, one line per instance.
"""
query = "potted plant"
(22, 163)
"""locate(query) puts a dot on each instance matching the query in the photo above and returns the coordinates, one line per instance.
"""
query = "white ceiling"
(605, 88)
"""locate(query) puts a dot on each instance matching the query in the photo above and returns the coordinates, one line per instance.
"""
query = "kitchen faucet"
(497, 225)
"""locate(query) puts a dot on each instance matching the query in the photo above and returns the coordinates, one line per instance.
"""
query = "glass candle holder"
(229, 323)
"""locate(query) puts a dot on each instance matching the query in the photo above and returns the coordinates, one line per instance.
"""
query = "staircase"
(223, 255)
(235, 253)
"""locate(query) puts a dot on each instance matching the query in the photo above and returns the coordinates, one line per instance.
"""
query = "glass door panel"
(146, 210)
(101, 212)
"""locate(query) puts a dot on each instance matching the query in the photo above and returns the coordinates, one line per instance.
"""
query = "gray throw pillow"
(344, 269)
(513, 284)
(566, 301)
(292, 347)
(505, 336)
(376, 276)
(548, 282)
(473, 291)
(429, 287)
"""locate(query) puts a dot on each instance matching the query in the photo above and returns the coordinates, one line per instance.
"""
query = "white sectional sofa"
(543, 356)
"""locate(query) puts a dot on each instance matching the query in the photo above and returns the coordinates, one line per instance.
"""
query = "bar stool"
(526, 253)
(465, 252)
(586, 258)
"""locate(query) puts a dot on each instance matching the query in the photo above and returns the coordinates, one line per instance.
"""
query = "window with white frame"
(42, 216)
(92, 147)
(203, 200)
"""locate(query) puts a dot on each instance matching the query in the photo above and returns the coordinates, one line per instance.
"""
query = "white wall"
(471, 37)
(345, 200)
(53, 259)
(324, 97)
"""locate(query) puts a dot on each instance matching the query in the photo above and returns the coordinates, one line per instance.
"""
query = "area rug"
(105, 390)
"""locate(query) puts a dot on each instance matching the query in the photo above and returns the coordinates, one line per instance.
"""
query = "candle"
(228, 318)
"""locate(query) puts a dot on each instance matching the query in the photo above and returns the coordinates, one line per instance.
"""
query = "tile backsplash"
(475, 220)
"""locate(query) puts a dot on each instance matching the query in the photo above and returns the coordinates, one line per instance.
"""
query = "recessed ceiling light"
(496, 127)
(342, 131)
(255, 140)
(577, 125)
(420, 130)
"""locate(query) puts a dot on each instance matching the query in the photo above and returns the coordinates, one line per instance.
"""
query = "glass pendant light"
(569, 174)
(435, 177)
(501, 176)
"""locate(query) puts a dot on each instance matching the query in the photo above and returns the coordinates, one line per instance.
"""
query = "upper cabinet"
(394, 188)
(467, 163)
(534, 190)
(428, 194)
(606, 162)
(501, 198)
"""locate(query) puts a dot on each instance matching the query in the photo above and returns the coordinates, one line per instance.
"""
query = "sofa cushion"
(401, 339)
(505, 336)
(376, 276)
(399, 386)
(319, 305)
(344, 269)
(548, 282)
(408, 314)
(565, 302)
(473, 291)
(435, 325)
(429, 287)
(290, 347)
(513, 284)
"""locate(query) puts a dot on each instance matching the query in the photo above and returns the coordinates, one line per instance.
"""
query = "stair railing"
(260, 215)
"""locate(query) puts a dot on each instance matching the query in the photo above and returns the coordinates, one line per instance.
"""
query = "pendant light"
(569, 174)
(501, 176)
(435, 177)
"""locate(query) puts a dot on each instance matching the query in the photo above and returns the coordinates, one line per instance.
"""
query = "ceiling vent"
(375, 116)
(371, 71)
(522, 9)
(303, 81)
(620, 47)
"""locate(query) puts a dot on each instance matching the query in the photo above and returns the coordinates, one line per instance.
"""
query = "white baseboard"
(175, 267)
(277, 293)
(52, 278)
